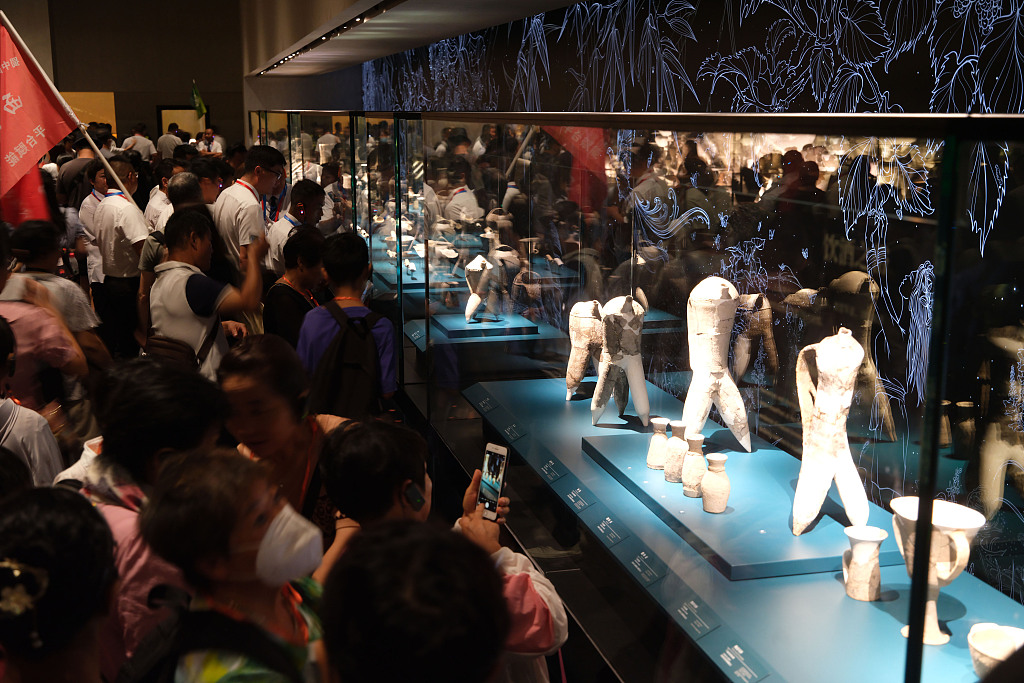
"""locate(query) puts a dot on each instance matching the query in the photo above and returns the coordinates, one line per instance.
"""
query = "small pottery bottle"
(861, 572)
(658, 449)
(675, 452)
(694, 466)
(715, 486)
(945, 430)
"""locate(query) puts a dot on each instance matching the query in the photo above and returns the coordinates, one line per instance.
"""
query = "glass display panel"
(258, 127)
(361, 210)
(771, 294)
(279, 137)
(412, 221)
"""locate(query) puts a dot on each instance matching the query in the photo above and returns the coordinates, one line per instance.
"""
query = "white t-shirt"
(140, 144)
(87, 215)
(462, 205)
(239, 217)
(215, 147)
(119, 225)
(157, 202)
(183, 305)
(166, 143)
(25, 433)
(277, 234)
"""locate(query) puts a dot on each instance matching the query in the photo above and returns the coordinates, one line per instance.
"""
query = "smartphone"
(495, 458)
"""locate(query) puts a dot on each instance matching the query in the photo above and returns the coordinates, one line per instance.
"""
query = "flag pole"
(16, 37)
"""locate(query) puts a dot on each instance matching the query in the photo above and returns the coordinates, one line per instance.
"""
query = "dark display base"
(455, 325)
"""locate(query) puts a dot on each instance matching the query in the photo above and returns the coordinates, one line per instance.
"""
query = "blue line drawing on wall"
(918, 291)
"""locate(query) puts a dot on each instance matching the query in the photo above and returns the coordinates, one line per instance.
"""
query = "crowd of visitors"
(195, 484)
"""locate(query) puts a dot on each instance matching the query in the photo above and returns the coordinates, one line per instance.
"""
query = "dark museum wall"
(155, 66)
(722, 55)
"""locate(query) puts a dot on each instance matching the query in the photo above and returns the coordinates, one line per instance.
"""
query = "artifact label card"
(552, 470)
(579, 498)
(645, 565)
(734, 657)
(415, 335)
(696, 617)
(602, 522)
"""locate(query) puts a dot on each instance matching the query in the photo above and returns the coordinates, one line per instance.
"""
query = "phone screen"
(493, 476)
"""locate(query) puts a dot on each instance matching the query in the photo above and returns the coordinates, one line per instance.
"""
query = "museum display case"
(736, 359)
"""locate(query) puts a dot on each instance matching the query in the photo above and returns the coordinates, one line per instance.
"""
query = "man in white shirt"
(97, 177)
(462, 204)
(168, 141)
(187, 304)
(121, 231)
(238, 212)
(325, 145)
(158, 195)
(140, 143)
(208, 146)
(306, 208)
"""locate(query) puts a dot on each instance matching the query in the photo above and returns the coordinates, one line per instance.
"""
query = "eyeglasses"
(279, 174)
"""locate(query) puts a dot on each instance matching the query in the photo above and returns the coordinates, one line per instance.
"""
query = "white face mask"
(291, 548)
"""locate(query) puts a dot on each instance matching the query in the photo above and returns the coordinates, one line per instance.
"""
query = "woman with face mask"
(218, 517)
(266, 387)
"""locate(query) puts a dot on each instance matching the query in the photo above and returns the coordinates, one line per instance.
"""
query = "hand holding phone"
(492, 479)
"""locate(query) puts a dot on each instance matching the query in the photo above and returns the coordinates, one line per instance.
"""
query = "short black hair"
(205, 167)
(139, 128)
(272, 361)
(144, 406)
(365, 463)
(431, 590)
(80, 144)
(307, 193)
(34, 239)
(58, 534)
(459, 170)
(307, 244)
(224, 170)
(184, 189)
(332, 167)
(194, 507)
(165, 169)
(185, 222)
(185, 152)
(263, 156)
(15, 475)
(171, 127)
(345, 257)
(122, 165)
(93, 168)
(233, 150)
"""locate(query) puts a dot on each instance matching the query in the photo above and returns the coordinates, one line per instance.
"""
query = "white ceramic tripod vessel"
(715, 486)
(826, 448)
(755, 312)
(694, 465)
(675, 453)
(657, 451)
(623, 321)
(953, 530)
(861, 572)
(710, 313)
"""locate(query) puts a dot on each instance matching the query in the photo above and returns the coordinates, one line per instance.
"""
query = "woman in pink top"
(146, 412)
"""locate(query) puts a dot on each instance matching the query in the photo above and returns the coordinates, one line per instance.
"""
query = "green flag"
(197, 101)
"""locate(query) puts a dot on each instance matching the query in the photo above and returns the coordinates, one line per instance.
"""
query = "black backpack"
(156, 658)
(345, 381)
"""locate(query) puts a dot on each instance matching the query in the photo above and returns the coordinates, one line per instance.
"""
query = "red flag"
(588, 155)
(32, 117)
(26, 201)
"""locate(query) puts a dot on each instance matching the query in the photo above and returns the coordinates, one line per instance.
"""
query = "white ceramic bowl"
(991, 643)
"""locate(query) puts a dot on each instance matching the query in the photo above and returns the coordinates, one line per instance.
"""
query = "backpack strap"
(211, 336)
(208, 630)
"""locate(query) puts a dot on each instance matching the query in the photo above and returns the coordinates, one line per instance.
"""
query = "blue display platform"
(752, 538)
(455, 325)
(781, 628)
(416, 331)
(657, 319)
